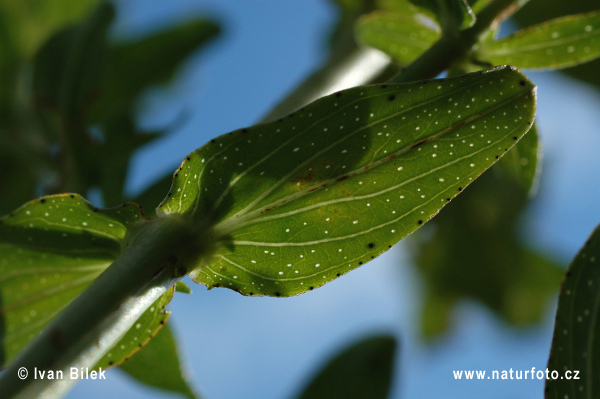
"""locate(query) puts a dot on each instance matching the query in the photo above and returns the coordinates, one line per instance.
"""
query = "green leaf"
(559, 43)
(452, 15)
(68, 66)
(576, 345)
(473, 251)
(402, 37)
(137, 65)
(539, 11)
(182, 287)
(157, 364)
(50, 250)
(402, 7)
(523, 161)
(300, 201)
(363, 370)
(142, 332)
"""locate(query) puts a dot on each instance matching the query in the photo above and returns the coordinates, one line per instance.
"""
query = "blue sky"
(239, 347)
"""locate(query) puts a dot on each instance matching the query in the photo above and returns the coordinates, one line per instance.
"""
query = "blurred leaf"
(31, 21)
(538, 11)
(452, 15)
(576, 341)
(137, 65)
(402, 7)
(363, 370)
(50, 250)
(183, 288)
(472, 250)
(68, 68)
(84, 94)
(305, 199)
(139, 335)
(67, 71)
(555, 44)
(404, 38)
(158, 365)
(523, 161)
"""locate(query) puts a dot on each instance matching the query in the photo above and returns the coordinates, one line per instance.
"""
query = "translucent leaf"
(523, 161)
(50, 250)
(142, 332)
(157, 364)
(452, 15)
(404, 38)
(576, 341)
(364, 370)
(559, 43)
(182, 287)
(303, 200)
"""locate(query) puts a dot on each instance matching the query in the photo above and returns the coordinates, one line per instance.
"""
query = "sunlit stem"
(95, 321)
(453, 47)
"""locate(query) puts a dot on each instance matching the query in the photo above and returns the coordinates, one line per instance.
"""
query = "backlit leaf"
(157, 364)
(364, 370)
(302, 200)
(576, 341)
(50, 250)
(402, 37)
(140, 334)
(559, 43)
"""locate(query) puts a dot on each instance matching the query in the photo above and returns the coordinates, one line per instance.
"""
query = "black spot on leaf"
(371, 245)
(391, 98)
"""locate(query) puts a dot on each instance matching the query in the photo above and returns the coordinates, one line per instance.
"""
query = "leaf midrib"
(236, 221)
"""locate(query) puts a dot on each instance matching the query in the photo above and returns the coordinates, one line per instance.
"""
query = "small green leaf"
(364, 370)
(576, 341)
(142, 332)
(157, 364)
(302, 200)
(523, 161)
(50, 250)
(452, 15)
(402, 37)
(182, 287)
(559, 43)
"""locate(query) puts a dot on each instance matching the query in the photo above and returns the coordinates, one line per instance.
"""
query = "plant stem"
(95, 321)
(452, 47)
(357, 67)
